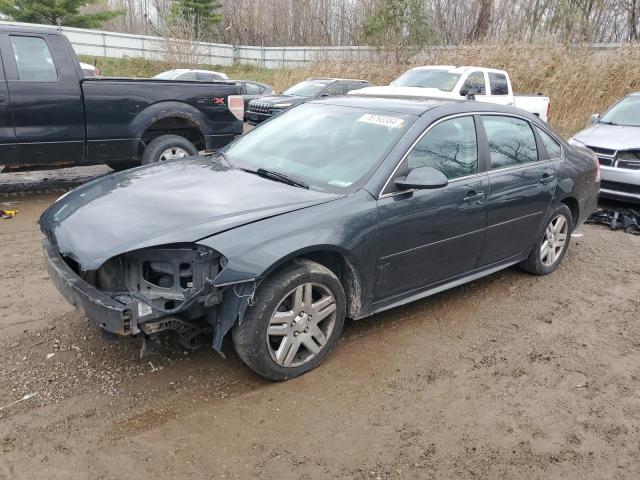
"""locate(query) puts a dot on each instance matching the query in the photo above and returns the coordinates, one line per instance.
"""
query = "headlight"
(282, 105)
(576, 143)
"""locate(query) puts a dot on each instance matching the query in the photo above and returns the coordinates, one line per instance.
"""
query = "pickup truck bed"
(51, 116)
(120, 113)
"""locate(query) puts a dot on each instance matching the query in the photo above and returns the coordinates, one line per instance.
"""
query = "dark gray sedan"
(341, 207)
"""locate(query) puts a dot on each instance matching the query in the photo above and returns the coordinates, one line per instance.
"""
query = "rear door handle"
(547, 178)
(474, 197)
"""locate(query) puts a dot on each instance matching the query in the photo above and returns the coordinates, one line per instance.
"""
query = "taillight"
(595, 158)
(236, 106)
(548, 111)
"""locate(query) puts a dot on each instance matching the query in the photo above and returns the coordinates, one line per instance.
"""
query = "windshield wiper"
(610, 123)
(278, 177)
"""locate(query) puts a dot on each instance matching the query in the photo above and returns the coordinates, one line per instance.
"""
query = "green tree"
(202, 14)
(56, 12)
(399, 25)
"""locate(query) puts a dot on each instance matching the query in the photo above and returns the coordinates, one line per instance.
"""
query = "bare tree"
(448, 22)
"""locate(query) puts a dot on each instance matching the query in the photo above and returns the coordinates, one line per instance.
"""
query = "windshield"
(328, 147)
(625, 112)
(308, 88)
(440, 79)
(168, 75)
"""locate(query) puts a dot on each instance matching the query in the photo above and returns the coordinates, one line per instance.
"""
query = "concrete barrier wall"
(100, 43)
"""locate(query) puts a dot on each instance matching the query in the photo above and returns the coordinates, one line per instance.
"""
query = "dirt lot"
(510, 377)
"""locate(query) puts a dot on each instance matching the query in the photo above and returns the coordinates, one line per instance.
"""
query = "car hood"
(405, 92)
(612, 137)
(170, 202)
(272, 99)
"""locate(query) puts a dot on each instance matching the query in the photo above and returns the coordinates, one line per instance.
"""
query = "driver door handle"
(547, 178)
(474, 197)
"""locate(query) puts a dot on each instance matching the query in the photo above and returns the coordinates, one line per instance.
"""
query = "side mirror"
(593, 118)
(422, 178)
(470, 92)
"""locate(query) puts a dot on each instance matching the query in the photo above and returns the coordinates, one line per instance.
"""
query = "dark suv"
(263, 108)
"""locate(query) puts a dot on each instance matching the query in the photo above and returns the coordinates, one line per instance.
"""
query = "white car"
(448, 81)
(192, 75)
(89, 70)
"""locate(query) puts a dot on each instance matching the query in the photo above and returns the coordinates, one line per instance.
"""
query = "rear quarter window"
(553, 148)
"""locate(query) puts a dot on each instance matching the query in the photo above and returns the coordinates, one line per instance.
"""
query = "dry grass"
(580, 81)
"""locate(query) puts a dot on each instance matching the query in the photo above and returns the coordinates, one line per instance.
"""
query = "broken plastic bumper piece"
(118, 317)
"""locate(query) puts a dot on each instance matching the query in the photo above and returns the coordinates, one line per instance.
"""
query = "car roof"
(457, 68)
(411, 106)
(184, 70)
(332, 79)
(250, 81)
(420, 105)
(23, 29)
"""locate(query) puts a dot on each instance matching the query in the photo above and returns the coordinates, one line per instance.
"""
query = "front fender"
(347, 226)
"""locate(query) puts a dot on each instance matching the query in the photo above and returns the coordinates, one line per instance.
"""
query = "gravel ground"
(48, 181)
(512, 376)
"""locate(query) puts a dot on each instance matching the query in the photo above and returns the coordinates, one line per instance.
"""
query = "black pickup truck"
(51, 116)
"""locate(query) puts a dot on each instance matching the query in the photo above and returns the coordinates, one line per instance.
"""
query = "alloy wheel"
(554, 241)
(172, 153)
(301, 325)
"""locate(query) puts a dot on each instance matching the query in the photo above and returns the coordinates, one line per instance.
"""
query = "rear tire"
(552, 243)
(295, 321)
(168, 147)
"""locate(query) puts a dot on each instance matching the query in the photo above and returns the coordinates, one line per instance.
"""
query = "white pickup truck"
(447, 81)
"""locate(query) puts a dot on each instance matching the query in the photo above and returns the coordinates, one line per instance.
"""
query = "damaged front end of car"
(155, 291)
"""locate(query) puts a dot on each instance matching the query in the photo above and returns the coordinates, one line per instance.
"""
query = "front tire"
(296, 319)
(168, 147)
(552, 243)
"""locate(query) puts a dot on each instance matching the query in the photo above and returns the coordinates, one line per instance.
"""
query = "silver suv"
(615, 139)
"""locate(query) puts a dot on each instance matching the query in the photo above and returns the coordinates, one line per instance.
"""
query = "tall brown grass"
(579, 80)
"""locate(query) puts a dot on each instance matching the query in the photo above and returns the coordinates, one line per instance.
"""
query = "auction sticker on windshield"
(383, 120)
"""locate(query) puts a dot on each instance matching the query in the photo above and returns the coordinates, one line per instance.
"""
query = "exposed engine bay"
(172, 290)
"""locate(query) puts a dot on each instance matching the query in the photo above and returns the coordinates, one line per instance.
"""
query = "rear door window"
(511, 141)
(475, 81)
(450, 146)
(499, 85)
(253, 89)
(355, 86)
(553, 148)
(207, 77)
(33, 59)
(186, 76)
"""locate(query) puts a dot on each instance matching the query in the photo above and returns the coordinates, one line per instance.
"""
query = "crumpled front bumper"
(112, 315)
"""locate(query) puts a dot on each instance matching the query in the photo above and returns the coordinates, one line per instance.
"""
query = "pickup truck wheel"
(551, 246)
(168, 147)
(296, 318)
